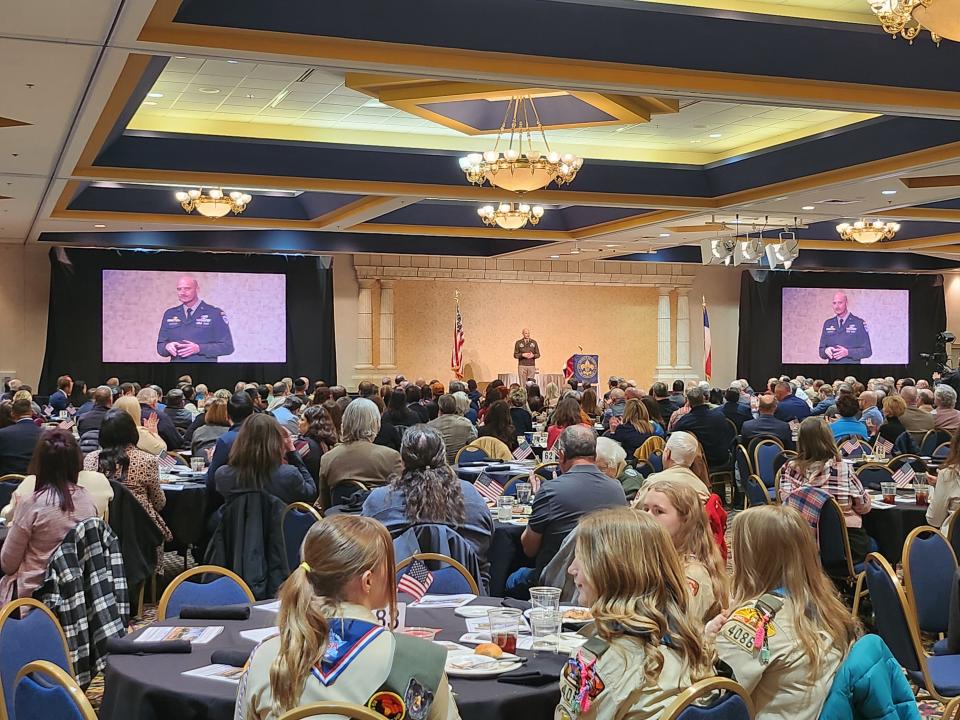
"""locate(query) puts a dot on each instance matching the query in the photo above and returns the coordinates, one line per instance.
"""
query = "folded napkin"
(126, 646)
(515, 604)
(498, 468)
(215, 612)
(531, 677)
(355, 502)
(234, 658)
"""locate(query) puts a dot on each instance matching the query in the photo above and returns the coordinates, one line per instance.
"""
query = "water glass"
(524, 491)
(504, 628)
(505, 508)
(545, 624)
(196, 463)
(545, 597)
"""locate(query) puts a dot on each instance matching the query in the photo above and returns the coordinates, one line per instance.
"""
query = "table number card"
(549, 456)
(383, 615)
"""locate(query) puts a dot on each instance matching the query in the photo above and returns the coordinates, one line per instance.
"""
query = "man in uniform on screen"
(193, 331)
(844, 339)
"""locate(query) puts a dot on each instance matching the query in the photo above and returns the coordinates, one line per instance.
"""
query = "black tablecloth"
(151, 687)
(890, 527)
(185, 513)
(506, 555)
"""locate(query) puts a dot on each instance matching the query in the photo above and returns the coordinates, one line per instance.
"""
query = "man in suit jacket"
(789, 406)
(239, 408)
(915, 420)
(60, 400)
(766, 424)
(734, 410)
(709, 425)
(149, 400)
(102, 402)
(17, 441)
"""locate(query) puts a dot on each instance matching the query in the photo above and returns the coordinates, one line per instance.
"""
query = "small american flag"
(849, 447)
(882, 446)
(456, 357)
(488, 488)
(904, 476)
(523, 451)
(166, 461)
(416, 580)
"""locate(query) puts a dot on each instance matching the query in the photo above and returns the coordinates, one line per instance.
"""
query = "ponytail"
(304, 629)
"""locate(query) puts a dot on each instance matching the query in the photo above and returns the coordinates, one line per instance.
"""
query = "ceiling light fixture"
(520, 167)
(808, 207)
(510, 216)
(907, 18)
(209, 91)
(867, 233)
(148, 102)
(888, 192)
(715, 135)
(213, 204)
(664, 234)
(783, 252)
(99, 225)
(155, 94)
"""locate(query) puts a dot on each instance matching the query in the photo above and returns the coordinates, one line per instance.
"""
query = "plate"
(473, 611)
(479, 666)
(567, 623)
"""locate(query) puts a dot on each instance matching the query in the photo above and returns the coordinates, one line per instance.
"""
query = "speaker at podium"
(584, 368)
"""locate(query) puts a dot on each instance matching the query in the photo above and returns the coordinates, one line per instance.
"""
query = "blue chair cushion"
(728, 707)
(940, 647)
(222, 591)
(23, 641)
(944, 674)
(36, 701)
(296, 523)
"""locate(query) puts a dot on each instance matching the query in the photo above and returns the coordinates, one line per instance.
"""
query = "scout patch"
(694, 586)
(388, 704)
(346, 641)
(741, 628)
(418, 699)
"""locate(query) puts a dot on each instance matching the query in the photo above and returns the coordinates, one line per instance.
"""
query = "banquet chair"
(782, 459)
(470, 453)
(862, 447)
(45, 692)
(938, 675)
(953, 532)
(651, 445)
(344, 490)
(548, 470)
(756, 494)
(297, 519)
(915, 461)
(929, 564)
(715, 698)
(453, 579)
(932, 440)
(228, 589)
(836, 557)
(872, 474)
(644, 467)
(327, 709)
(941, 451)
(656, 461)
(764, 453)
(37, 636)
(8, 486)
(495, 448)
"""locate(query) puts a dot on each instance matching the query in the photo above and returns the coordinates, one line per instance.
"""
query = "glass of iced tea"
(504, 628)
(889, 491)
(922, 491)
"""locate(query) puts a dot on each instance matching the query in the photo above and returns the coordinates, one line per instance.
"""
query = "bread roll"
(489, 649)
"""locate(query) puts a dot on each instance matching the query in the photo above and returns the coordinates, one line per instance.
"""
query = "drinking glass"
(922, 491)
(505, 508)
(196, 463)
(889, 491)
(545, 597)
(545, 624)
(524, 491)
(504, 628)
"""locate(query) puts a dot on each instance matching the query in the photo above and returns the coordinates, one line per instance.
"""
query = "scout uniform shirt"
(206, 326)
(781, 687)
(604, 680)
(850, 332)
(530, 346)
(397, 676)
(699, 591)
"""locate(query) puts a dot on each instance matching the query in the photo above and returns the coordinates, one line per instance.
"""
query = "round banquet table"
(890, 527)
(505, 555)
(185, 513)
(151, 687)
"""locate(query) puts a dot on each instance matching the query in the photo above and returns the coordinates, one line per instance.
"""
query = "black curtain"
(74, 324)
(760, 318)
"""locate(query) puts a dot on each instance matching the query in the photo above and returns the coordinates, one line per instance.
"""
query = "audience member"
(945, 490)
(566, 415)
(892, 428)
(216, 422)
(455, 429)
(519, 415)
(870, 414)
(679, 455)
(60, 398)
(398, 413)
(102, 402)
(80, 399)
(678, 395)
(239, 409)
(175, 410)
(498, 424)
(149, 439)
(734, 409)
(317, 436)
(847, 424)
(616, 404)
(925, 400)
(662, 397)
(709, 426)
(17, 441)
(633, 429)
(149, 401)
(588, 403)
(789, 406)
(288, 414)
(945, 415)
(767, 424)
(916, 421)
(43, 518)
(612, 462)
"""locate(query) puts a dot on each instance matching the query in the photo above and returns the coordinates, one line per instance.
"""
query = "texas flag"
(707, 349)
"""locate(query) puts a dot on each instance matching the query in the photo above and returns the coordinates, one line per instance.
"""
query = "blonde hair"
(794, 566)
(336, 550)
(130, 406)
(695, 538)
(635, 413)
(894, 406)
(645, 598)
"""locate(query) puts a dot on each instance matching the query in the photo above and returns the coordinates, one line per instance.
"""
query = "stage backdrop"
(769, 335)
(617, 323)
(77, 314)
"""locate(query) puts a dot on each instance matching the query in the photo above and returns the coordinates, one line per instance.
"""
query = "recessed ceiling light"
(154, 94)
(574, 252)
(715, 135)
(180, 57)
(554, 257)
(888, 192)
(148, 102)
(233, 62)
(250, 96)
(209, 91)
(620, 129)
(99, 225)
(664, 234)
(612, 245)
(778, 199)
(696, 141)
(808, 207)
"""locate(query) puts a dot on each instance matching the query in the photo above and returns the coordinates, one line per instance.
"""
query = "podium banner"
(583, 368)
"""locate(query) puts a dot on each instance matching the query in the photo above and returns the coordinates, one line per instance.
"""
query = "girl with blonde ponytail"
(331, 645)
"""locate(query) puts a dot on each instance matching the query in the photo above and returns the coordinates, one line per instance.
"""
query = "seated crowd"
(628, 522)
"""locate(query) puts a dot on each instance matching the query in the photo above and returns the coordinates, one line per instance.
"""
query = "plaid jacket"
(809, 501)
(836, 478)
(86, 588)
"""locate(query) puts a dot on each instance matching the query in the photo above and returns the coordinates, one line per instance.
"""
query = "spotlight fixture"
(868, 233)
(520, 168)
(213, 204)
(723, 249)
(510, 216)
(783, 252)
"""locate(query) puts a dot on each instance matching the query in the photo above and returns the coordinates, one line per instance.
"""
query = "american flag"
(166, 461)
(882, 446)
(456, 357)
(707, 344)
(416, 580)
(523, 451)
(849, 447)
(904, 476)
(488, 488)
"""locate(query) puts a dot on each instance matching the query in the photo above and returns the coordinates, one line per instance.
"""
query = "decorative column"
(387, 359)
(683, 333)
(365, 328)
(665, 369)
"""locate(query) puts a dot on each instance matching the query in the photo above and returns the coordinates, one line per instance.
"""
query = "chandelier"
(863, 232)
(520, 167)
(213, 204)
(510, 216)
(908, 18)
